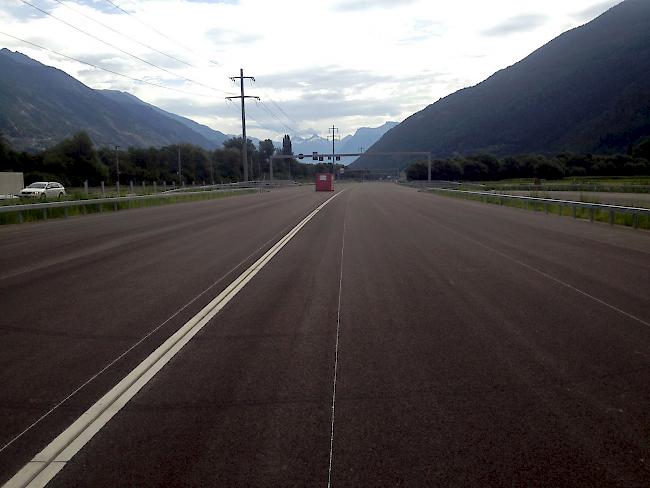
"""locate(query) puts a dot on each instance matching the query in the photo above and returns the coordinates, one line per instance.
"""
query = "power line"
(138, 80)
(263, 125)
(124, 35)
(121, 50)
(264, 106)
(271, 113)
(116, 6)
(260, 103)
(290, 119)
(335, 137)
(243, 98)
(268, 110)
(162, 34)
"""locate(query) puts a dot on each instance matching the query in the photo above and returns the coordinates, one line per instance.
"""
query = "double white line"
(47, 463)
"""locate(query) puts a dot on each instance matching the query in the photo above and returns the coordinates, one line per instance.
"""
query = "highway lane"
(478, 346)
(479, 371)
(77, 293)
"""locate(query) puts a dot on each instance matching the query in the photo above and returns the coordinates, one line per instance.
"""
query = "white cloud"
(520, 23)
(353, 62)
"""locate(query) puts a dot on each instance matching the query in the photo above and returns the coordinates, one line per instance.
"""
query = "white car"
(43, 190)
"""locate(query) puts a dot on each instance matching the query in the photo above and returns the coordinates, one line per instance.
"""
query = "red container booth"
(324, 182)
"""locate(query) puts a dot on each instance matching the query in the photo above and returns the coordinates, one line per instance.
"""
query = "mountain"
(214, 136)
(41, 105)
(585, 91)
(307, 144)
(363, 137)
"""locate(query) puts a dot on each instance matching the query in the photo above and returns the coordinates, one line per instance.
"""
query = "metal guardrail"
(592, 207)
(249, 185)
(185, 191)
(224, 186)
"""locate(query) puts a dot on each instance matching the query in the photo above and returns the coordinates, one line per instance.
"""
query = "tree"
(418, 171)
(266, 151)
(287, 150)
(74, 160)
(475, 170)
(445, 170)
(642, 149)
(7, 155)
(549, 169)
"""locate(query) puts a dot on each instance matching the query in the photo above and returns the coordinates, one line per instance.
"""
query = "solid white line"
(133, 346)
(46, 464)
(568, 285)
(336, 354)
(549, 277)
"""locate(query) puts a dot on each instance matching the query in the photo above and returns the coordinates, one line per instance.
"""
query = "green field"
(624, 184)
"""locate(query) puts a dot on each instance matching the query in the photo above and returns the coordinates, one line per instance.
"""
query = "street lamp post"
(117, 168)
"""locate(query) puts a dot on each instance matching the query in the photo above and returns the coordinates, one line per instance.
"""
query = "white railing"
(612, 210)
(19, 209)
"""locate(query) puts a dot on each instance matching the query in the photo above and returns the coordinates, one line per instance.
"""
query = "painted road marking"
(136, 344)
(336, 351)
(53, 458)
(546, 275)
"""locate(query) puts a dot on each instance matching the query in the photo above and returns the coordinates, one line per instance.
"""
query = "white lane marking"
(46, 464)
(548, 276)
(570, 286)
(133, 346)
(336, 351)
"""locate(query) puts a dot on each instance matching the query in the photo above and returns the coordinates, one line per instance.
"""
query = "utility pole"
(117, 169)
(334, 137)
(180, 175)
(243, 97)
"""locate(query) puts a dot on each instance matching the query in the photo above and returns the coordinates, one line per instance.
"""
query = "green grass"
(597, 215)
(55, 213)
(623, 184)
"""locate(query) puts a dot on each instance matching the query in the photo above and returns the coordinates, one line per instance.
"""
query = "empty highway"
(378, 336)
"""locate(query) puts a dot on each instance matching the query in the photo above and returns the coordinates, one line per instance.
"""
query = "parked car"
(43, 190)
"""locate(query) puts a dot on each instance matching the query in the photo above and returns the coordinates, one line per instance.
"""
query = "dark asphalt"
(478, 345)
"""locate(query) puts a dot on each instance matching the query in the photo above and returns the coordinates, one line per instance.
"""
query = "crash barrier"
(118, 202)
(633, 216)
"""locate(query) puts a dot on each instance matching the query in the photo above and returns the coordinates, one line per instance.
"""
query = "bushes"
(484, 167)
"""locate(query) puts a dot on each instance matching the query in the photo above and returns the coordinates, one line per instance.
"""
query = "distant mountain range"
(587, 91)
(362, 139)
(213, 136)
(41, 105)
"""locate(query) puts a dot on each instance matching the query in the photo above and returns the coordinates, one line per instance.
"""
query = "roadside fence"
(44, 210)
(637, 217)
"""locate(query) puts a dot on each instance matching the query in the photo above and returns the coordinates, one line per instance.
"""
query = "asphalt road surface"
(399, 339)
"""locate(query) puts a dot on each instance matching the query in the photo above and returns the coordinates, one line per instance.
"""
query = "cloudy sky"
(353, 63)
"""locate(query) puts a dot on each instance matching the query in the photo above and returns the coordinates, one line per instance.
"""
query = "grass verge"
(94, 208)
(640, 221)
